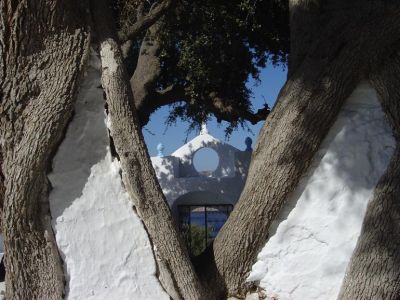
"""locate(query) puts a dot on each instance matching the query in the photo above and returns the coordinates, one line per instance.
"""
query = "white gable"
(226, 154)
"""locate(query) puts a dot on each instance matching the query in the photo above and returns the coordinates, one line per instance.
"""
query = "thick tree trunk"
(352, 39)
(42, 46)
(176, 272)
(303, 21)
(374, 270)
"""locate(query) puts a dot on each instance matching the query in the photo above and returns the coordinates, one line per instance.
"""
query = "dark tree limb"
(144, 21)
(303, 14)
(228, 110)
(223, 109)
(147, 72)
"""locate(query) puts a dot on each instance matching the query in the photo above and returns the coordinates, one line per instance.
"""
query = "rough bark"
(147, 72)
(177, 274)
(42, 46)
(352, 39)
(374, 269)
(2, 189)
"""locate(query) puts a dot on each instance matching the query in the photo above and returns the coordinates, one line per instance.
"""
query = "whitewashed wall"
(105, 249)
(312, 240)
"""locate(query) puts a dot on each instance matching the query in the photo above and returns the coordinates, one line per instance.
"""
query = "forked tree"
(334, 45)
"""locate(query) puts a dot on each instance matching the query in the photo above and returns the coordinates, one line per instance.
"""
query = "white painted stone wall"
(104, 246)
(312, 240)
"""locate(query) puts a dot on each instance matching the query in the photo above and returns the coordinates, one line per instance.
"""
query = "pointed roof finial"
(248, 141)
(160, 150)
(204, 129)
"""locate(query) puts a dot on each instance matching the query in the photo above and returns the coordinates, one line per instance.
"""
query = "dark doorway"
(200, 224)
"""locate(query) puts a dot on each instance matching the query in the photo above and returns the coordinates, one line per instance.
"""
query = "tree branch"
(169, 95)
(223, 109)
(145, 21)
(228, 110)
(157, 99)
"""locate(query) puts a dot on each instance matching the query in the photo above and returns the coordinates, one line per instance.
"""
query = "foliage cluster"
(211, 48)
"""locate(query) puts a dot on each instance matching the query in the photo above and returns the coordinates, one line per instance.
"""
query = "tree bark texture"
(147, 72)
(352, 40)
(374, 270)
(2, 189)
(42, 47)
(176, 272)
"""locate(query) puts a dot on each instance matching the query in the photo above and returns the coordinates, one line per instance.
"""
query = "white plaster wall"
(166, 167)
(106, 251)
(312, 240)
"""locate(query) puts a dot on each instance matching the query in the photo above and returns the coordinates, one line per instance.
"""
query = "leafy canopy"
(211, 47)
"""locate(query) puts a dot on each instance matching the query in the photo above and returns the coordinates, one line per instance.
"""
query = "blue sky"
(272, 79)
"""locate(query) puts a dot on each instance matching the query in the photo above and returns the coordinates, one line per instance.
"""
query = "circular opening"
(205, 161)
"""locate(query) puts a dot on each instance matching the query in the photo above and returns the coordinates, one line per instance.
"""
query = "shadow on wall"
(351, 158)
(313, 238)
(85, 144)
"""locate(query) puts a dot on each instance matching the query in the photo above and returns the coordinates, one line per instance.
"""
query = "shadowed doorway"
(200, 224)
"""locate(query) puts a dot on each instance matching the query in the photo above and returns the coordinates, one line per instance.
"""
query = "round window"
(205, 161)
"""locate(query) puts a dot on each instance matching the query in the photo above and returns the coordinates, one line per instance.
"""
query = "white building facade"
(202, 199)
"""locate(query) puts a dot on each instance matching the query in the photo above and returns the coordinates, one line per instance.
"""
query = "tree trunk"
(2, 190)
(303, 20)
(176, 272)
(374, 269)
(352, 40)
(42, 45)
